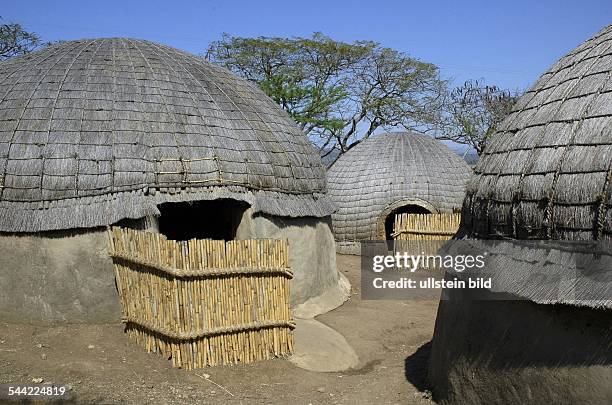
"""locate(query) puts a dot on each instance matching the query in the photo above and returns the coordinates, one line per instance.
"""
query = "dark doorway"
(405, 209)
(216, 219)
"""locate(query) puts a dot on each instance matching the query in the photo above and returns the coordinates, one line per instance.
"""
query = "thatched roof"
(546, 173)
(94, 131)
(542, 271)
(390, 169)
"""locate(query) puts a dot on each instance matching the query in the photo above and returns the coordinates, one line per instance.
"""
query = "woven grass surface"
(546, 173)
(389, 168)
(93, 131)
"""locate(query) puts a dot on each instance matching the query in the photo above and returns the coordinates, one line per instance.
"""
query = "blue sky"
(508, 43)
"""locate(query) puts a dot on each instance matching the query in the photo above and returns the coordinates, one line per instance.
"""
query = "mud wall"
(312, 255)
(517, 352)
(58, 277)
(68, 277)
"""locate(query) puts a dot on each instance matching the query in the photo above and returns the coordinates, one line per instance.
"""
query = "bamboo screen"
(204, 302)
(425, 227)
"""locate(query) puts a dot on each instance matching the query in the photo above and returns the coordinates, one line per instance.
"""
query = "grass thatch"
(546, 172)
(93, 131)
(389, 168)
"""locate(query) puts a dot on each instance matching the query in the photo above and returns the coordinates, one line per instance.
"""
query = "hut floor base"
(321, 349)
(331, 298)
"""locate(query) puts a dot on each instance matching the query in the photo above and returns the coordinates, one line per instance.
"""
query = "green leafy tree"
(339, 93)
(15, 41)
(475, 110)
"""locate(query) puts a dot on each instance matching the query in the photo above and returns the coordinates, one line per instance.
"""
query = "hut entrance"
(216, 219)
(404, 209)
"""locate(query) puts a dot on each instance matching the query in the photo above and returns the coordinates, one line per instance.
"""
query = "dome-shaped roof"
(546, 172)
(387, 171)
(93, 131)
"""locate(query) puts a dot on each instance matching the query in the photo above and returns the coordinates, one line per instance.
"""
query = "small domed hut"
(123, 131)
(388, 174)
(545, 175)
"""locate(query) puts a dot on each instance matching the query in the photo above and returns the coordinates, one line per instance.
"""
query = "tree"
(15, 41)
(339, 93)
(474, 112)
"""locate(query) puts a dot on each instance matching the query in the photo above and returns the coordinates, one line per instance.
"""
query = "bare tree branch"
(15, 41)
(474, 111)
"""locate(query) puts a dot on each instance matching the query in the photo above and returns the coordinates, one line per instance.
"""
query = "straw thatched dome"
(546, 172)
(391, 172)
(94, 131)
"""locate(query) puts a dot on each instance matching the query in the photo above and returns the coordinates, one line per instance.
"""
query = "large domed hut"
(122, 131)
(542, 336)
(389, 174)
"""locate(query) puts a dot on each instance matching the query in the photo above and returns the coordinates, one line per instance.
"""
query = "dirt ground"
(103, 366)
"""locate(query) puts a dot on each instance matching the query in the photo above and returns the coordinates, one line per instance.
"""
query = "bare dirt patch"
(103, 366)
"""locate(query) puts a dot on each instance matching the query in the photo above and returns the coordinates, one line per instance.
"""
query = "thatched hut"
(546, 175)
(388, 174)
(106, 131)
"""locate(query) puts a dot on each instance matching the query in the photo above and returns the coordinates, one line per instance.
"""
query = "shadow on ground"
(415, 367)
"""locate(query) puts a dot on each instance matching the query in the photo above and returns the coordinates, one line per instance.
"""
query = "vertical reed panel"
(175, 303)
(425, 227)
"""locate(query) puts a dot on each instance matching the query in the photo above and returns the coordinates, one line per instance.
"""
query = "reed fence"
(204, 302)
(425, 227)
